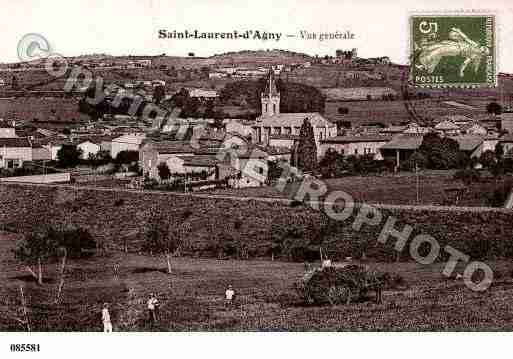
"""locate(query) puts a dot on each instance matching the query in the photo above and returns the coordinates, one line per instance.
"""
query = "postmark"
(457, 50)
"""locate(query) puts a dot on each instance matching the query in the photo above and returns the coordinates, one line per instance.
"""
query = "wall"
(48, 178)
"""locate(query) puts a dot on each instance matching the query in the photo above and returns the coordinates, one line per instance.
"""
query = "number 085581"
(25, 347)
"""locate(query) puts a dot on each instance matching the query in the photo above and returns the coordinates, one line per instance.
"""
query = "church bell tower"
(270, 97)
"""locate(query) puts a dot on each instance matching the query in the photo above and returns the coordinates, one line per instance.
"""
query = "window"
(277, 130)
(367, 150)
(287, 130)
(343, 110)
(274, 108)
(356, 151)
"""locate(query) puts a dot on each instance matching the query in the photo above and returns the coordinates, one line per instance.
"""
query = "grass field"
(191, 297)
(434, 189)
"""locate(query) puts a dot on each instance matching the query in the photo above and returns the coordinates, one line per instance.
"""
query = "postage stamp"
(453, 50)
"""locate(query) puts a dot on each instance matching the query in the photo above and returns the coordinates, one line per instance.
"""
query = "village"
(181, 181)
(375, 123)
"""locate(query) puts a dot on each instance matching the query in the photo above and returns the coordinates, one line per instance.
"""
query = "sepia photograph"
(291, 168)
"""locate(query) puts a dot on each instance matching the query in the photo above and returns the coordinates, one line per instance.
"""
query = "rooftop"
(293, 120)
(14, 142)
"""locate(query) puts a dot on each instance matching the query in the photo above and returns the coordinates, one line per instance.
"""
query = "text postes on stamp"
(453, 50)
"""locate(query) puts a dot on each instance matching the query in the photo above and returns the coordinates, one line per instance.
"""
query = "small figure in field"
(153, 305)
(107, 325)
(229, 295)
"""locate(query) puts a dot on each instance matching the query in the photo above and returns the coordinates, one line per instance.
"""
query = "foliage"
(338, 285)
(294, 97)
(416, 161)
(99, 159)
(442, 153)
(500, 194)
(164, 171)
(69, 156)
(332, 164)
(467, 176)
(488, 159)
(305, 154)
(274, 171)
(159, 92)
(494, 108)
(126, 157)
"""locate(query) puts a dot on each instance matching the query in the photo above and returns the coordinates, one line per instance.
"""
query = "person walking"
(107, 324)
(152, 305)
(229, 295)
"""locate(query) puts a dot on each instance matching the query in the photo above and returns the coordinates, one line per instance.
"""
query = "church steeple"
(270, 97)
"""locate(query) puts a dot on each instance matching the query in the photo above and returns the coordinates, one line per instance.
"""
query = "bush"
(467, 176)
(338, 285)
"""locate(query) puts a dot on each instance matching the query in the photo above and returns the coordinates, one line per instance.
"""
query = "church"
(274, 128)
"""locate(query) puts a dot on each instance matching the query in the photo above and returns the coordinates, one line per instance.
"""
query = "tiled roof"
(468, 143)
(284, 137)
(506, 138)
(355, 138)
(293, 120)
(404, 142)
(200, 160)
(15, 142)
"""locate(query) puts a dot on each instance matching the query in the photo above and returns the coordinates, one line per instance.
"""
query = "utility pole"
(417, 181)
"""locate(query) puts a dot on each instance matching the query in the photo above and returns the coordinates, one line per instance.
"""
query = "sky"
(130, 27)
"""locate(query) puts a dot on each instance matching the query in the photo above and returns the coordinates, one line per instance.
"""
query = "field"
(435, 188)
(192, 300)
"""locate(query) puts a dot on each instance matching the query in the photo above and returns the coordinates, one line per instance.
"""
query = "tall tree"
(36, 248)
(164, 172)
(159, 92)
(69, 156)
(305, 153)
(159, 239)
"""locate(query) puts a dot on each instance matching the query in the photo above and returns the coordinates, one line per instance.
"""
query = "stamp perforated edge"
(456, 12)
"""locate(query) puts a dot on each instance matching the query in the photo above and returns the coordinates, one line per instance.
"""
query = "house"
(475, 129)
(357, 145)
(506, 142)
(40, 153)
(7, 130)
(447, 128)
(274, 123)
(400, 148)
(14, 151)
(471, 145)
(182, 158)
(506, 119)
(88, 148)
(128, 142)
(250, 166)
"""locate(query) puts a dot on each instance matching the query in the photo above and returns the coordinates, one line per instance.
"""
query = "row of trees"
(71, 156)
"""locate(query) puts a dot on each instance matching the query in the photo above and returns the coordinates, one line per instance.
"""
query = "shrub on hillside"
(467, 176)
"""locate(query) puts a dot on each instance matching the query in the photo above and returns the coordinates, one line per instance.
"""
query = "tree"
(164, 172)
(441, 153)
(305, 155)
(69, 156)
(499, 151)
(35, 249)
(416, 161)
(99, 159)
(126, 157)
(494, 108)
(488, 159)
(332, 164)
(159, 93)
(158, 238)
